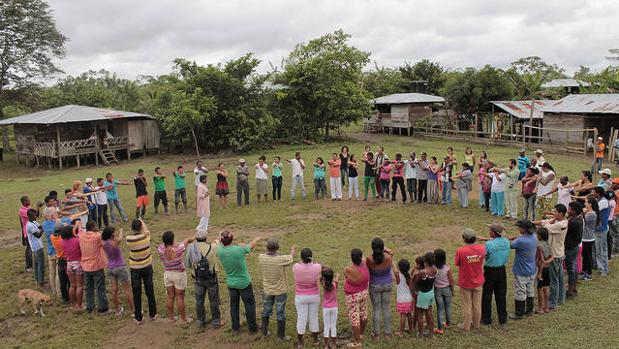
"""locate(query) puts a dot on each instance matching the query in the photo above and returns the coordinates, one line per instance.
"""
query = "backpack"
(203, 270)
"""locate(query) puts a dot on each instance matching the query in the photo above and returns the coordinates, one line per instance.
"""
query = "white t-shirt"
(410, 171)
(296, 167)
(403, 294)
(498, 186)
(100, 197)
(199, 172)
(261, 171)
(565, 195)
(543, 189)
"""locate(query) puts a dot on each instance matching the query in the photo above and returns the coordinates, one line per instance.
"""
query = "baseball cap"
(496, 227)
(469, 234)
(606, 171)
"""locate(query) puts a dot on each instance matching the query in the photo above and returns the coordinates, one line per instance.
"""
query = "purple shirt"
(380, 276)
(114, 255)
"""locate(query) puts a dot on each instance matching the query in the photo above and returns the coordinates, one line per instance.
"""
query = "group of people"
(83, 248)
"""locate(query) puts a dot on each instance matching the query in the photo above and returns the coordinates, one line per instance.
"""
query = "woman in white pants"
(307, 296)
(203, 205)
(353, 177)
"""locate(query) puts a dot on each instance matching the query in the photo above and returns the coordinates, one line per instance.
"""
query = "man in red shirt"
(470, 262)
(94, 261)
(23, 220)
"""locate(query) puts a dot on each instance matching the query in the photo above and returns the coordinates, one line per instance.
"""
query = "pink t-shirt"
(172, 257)
(329, 298)
(23, 217)
(306, 278)
(72, 250)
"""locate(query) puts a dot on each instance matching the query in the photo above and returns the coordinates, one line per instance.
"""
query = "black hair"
(179, 167)
(548, 166)
(107, 233)
(398, 156)
(277, 157)
(168, 238)
(370, 155)
(327, 279)
(466, 165)
(434, 158)
(32, 212)
(428, 259)
(542, 233)
(99, 179)
(576, 206)
(342, 149)
(53, 194)
(67, 191)
(66, 232)
(108, 174)
(588, 174)
(203, 178)
(440, 258)
(306, 255)
(157, 168)
(534, 169)
(595, 207)
(378, 250)
(405, 269)
(513, 161)
(599, 190)
(356, 256)
(561, 208)
(136, 225)
(91, 225)
(140, 170)
(47, 198)
(321, 160)
(450, 148)
(23, 199)
(419, 262)
(263, 158)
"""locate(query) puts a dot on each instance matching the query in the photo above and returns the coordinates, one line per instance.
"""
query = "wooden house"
(83, 133)
(400, 111)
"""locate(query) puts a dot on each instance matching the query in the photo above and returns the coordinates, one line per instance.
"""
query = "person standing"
(277, 179)
(511, 190)
(307, 295)
(446, 180)
(232, 258)
(380, 159)
(384, 179)
(539, 159)
(557, 230)
(422, 178)
(203, 206)
(495, 277)
(470, 260)
(410, 173)
(274, 286)
(90, 199)
(545, 183)
(353, 177)
(356, 291)
(242, 183)
(523, 163)
(524, 269)
(398, 178)
(600, 147)
(601, 231)
(529, 182)
(141, 269)
(34, 233)
(344, 156)
(497, 191)
(94, 261)
(591, 216)
(262, 177)
(113, 200)
(201, 257)
(116, 268)
(101, 202)
(198, 171)
(298, 167)
(180, 188)
(368, 175)
(23, 221)
(573, 238)
(160, 194)
(433, 173)
(335, 183)
(141, 194)
(221, 187)
(50, 219)
(464, 184)
(61, 262)
(320, 186)
(380, 265)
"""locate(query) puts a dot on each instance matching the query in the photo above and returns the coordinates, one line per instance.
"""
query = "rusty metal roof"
(522, 109)
(71, 113)
(586, 103)
(565, 83)
(408, 98)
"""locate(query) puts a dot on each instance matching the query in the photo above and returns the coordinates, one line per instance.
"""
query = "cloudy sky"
(143, 37)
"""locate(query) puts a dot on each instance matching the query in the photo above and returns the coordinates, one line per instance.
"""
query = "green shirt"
(159, 183)
(319, 173)
(277, 169)
(512, 180)
(232, 260)
(179, 181)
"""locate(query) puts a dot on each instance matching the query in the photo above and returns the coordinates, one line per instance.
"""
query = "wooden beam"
(58, 141)
(97, 145)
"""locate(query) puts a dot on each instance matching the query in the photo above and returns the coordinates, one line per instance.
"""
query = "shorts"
(178, 279)
(221, 188)
(142, 201)
(425, 299)
(545, 281)
(262, 187)
(74, 267)
(120, 274)
(404, 308)
(161, 196)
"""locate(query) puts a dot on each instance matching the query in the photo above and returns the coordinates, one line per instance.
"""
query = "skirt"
(262, 187)
(404, 308)
(425, 299)
(221, 188)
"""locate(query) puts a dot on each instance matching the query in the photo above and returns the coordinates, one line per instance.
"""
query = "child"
(404, 299)
(320, 187)
(329, 306)
(160, 193)
(443, 290)
(385, 179)
(180, 191)
(262, 174)
(221, 188)
(418, 266)
(424, 283)
(141, 194)
(117, 270)
(73, 254)
(276, 179)
(34, 232)
(544, 258)
(334, 177)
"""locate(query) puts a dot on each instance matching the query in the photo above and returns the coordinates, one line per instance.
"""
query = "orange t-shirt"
(334, 168)
(617, 199)
(599, 153)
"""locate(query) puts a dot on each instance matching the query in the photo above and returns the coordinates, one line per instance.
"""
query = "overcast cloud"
(139, 37)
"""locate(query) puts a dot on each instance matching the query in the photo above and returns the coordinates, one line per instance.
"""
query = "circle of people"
(573, 234)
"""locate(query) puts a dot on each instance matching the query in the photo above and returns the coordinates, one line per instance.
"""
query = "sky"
(138, 37)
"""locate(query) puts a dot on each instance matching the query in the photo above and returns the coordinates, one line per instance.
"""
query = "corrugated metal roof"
(522, 109)
(565, 83)
(586, 103)
(71, 113)
(407, 98)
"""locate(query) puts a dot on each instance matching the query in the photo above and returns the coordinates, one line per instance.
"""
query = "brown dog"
(36, 298)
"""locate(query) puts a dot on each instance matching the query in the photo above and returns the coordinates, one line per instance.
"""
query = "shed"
(80, 131)
(400, 111)
(516, 114)
(569, 85)
(581, 111)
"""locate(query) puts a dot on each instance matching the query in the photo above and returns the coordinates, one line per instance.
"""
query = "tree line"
(322, 86)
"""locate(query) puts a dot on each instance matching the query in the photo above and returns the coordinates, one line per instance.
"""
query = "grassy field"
(329, 229)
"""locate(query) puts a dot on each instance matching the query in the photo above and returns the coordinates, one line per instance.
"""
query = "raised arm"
(254, 242)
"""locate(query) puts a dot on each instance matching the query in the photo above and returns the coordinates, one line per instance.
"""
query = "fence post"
(593, 165)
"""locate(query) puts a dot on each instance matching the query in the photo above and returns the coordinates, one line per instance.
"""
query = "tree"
(383, 81)
(425, 70)
(323, 79)
(29, 43)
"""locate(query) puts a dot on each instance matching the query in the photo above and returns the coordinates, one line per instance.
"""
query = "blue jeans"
(380, 295)
(601, 251)
(570, 263)
(496, 203)
(119, 207)
(446, 195)
(39, 265)
(212, 288)
(443, 297)
(557, 285)
(247, 295)
(280, 306)
(297, 180)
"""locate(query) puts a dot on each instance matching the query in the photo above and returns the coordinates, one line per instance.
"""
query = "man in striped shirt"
(94, 261)
(141, 267)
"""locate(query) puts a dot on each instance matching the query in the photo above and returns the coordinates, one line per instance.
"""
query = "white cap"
(539, 151)
(606, 171)
(88, 180)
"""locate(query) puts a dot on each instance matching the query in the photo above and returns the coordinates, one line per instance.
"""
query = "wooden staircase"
(108, 156)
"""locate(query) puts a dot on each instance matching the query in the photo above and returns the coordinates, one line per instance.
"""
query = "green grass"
(329, 229)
